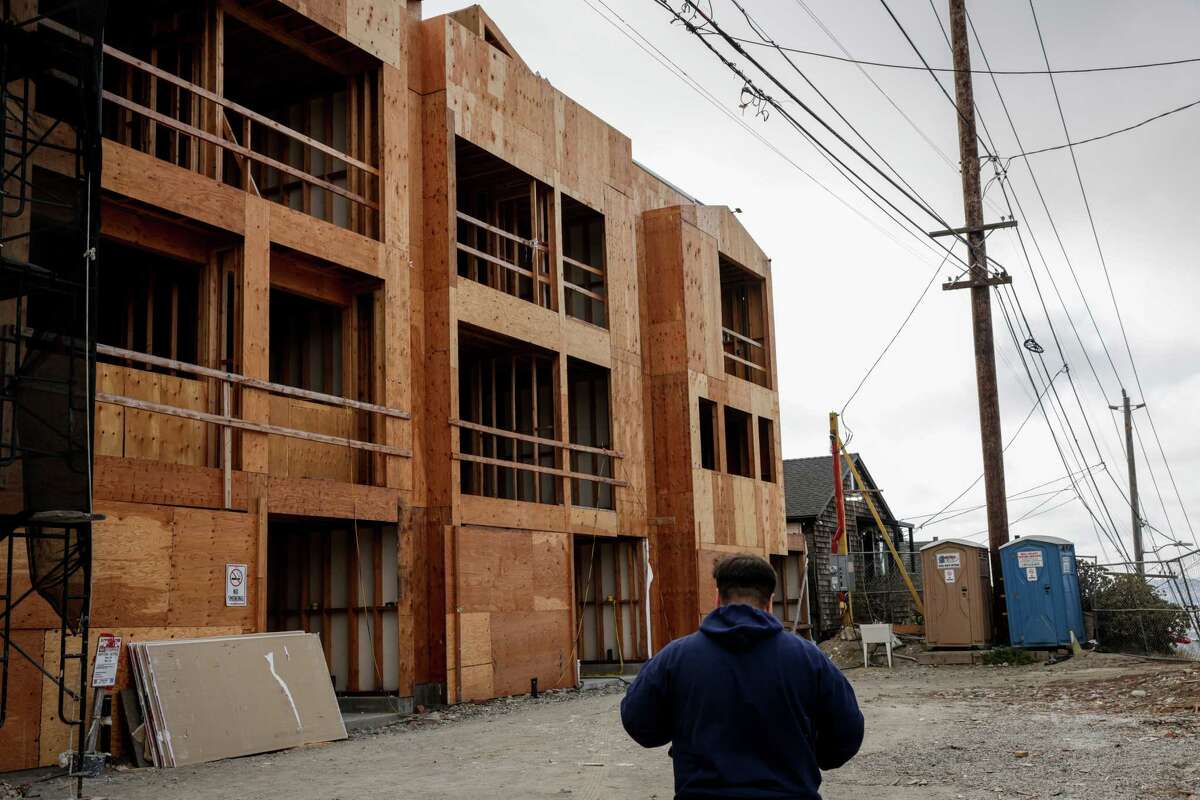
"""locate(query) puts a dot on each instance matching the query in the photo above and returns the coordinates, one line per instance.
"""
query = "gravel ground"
(1073, 730)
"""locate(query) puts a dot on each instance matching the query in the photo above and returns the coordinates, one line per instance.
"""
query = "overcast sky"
(843, 284)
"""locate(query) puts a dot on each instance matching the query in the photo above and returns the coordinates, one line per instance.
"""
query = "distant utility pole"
(1139, 553)
(980, 283)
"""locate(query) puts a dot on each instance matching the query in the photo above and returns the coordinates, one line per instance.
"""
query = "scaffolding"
(50, 84)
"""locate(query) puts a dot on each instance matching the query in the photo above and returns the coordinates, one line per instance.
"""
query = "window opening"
(766, 449)
(591, 426)
(708, 434)
(584, 268)
(739, 443)
(743, 323)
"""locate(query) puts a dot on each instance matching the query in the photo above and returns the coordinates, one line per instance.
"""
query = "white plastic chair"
(880, 633)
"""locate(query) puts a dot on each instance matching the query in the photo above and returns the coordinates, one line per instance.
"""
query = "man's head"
(746, 579)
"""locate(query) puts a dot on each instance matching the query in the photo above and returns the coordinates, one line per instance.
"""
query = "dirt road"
(1075, 730)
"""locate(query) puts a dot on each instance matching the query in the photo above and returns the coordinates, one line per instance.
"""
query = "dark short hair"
(745, 576)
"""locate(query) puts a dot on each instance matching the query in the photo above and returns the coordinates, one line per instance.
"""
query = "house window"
(306, 343)
(739, 443)
(766, 449)
(583, 262)
(148, 303)
(744, 323)
(708, 434)
(591, 426)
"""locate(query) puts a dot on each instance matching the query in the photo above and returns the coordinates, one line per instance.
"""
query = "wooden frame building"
(411, 337)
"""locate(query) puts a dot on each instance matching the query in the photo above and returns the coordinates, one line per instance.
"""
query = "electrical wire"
(895, 335)
(711, 27)
(847, 59)
(989, 147)
(1015, 496)
(1108, 135)
(675, 69)
(1036, 404)
(1107, 275)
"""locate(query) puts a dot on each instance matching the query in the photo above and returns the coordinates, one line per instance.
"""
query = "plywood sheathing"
(512, 616)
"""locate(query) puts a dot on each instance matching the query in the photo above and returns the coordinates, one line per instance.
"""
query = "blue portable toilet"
(1041, 587)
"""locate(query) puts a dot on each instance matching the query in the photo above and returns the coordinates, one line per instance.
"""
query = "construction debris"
(221, 697)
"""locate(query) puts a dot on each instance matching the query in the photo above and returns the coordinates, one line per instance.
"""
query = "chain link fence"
(880, 594)
(1150, 614)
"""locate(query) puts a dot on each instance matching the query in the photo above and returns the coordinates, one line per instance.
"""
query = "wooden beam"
(234, 147)
(251, 383)
(248, 425)
(521, 465)
(260, 509)
(524, 437)
(274, 30)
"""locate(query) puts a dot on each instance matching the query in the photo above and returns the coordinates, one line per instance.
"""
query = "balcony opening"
(148, 303)
(708, 434)
(766, 449)
(509, 445)
(503, 218)
(739, 443)
(306, 343)
(744, 324)
(591, 431)
(583, 258)
(321, 340)
(309, 142)
(610, 590)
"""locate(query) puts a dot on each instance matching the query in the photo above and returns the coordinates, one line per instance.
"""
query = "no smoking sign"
(235, 584)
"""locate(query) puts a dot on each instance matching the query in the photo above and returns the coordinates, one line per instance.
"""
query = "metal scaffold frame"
(50, 85)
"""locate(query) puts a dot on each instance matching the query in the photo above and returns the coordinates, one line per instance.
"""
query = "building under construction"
(388, 323)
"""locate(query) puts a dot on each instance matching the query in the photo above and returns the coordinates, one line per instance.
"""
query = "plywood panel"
(533, 644)
(203, 543)
(497, 570)
(297, 458)
(110, 419)
(21, 730)
(551, 563)
(132, 564)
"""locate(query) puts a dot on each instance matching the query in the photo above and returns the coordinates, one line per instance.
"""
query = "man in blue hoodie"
(749, 710)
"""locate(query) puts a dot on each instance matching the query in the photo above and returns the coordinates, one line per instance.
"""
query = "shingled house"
(812, 513)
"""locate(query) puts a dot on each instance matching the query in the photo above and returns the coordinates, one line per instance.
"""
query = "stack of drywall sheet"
(226, 696)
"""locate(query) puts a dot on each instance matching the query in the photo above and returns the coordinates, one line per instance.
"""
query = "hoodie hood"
(739, 627)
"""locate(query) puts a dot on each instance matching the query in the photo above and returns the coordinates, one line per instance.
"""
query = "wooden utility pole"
(980, 283)
(1139, 553)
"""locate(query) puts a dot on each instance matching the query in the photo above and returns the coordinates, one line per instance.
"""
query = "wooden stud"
(353, 602)
(327, 595)
(260, 510)
(377, 603)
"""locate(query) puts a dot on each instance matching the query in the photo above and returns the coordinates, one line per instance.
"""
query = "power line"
(846, 59)
(766, 38)
(1110, 134)
(1036, 404)
(1015, 496)
(679, 72)
(710, 26)
(965, 511)
(1064, 417)
(990, 149)
(1028, 515)
(895, 335)
(812, 15)
(1107, 275)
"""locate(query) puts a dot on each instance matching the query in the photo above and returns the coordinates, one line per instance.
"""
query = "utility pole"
(980, 283)
(1139, 554)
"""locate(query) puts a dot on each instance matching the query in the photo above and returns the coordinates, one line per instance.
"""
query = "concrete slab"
(368, 720)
